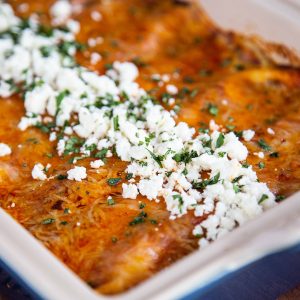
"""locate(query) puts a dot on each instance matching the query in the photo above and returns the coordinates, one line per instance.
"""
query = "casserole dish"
(58, 289)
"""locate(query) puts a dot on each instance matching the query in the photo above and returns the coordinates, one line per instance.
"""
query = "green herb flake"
(263, 145)
(180, 201)
(59, 98)
(48, 221)
(204, 183)
(61, 177)
(102, 153)
(261, 165)
(152, 221)
(116, 123)
(274, 154)
(237, 179)
(67, 211)
(222, 154)
(73, 145)
(263, 198)
(113, 181)
(185, 156)
(188, 79)
(236, 188)
(230, 127)
(139, 219)
(110, 201)
(279, 198)
(142, 205)
(157, 158)
(213, 109)
(114, 239)
(129, 176)
(220, 140)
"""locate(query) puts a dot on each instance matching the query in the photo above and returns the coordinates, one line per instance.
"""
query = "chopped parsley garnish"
(279, 198)
(114, 239)
(263, 145)
(59, 98)
(238, 134)
(73, 145)
(220, 140)
(194, 93)
(237, 179)
(129, 176)
(239, 67)
(110, 201)
(185, 156)
(66, 47)
(204, 183)
(222, 154)
(102, 153)
(180, 201)
(113, 181)
(236, 188)
(152, 221)
(61, 177)
(261, 165)
(157, 158)
(274, 154)
(188, 79)
(63, 223)
(67, 211)
(45, 51)
(230, 127)
(168, 173)
(139, 62)
(116, 123)
(142, 205)
(213, 109)
(34, 141)
(263, 198)
(48, 221)
(139, 219)
(149, 138)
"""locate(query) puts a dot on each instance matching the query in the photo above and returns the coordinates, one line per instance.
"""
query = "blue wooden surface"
(266, 279)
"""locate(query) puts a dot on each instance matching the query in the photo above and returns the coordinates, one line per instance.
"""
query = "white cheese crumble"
(130, 191)
(111, 113)
(4, 149)
(248, 135)
(95, 58)
(259, 154)
(60, 12)
(172, 89)
(77, 173)
(96, 16)
(96, 164)
(38, 172)
(270, 131)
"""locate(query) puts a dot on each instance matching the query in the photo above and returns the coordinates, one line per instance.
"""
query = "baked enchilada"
(135, 132)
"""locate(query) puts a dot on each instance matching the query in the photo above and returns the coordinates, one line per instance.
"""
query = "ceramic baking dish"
(278, 228)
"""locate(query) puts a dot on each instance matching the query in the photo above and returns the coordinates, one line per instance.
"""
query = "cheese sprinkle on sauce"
(98, 115)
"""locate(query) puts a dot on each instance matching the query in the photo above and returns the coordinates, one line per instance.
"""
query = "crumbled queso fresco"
(97, 115)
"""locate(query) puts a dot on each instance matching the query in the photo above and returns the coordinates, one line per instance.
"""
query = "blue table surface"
(265, 279)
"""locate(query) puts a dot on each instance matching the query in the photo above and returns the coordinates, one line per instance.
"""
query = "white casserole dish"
(274, 20)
